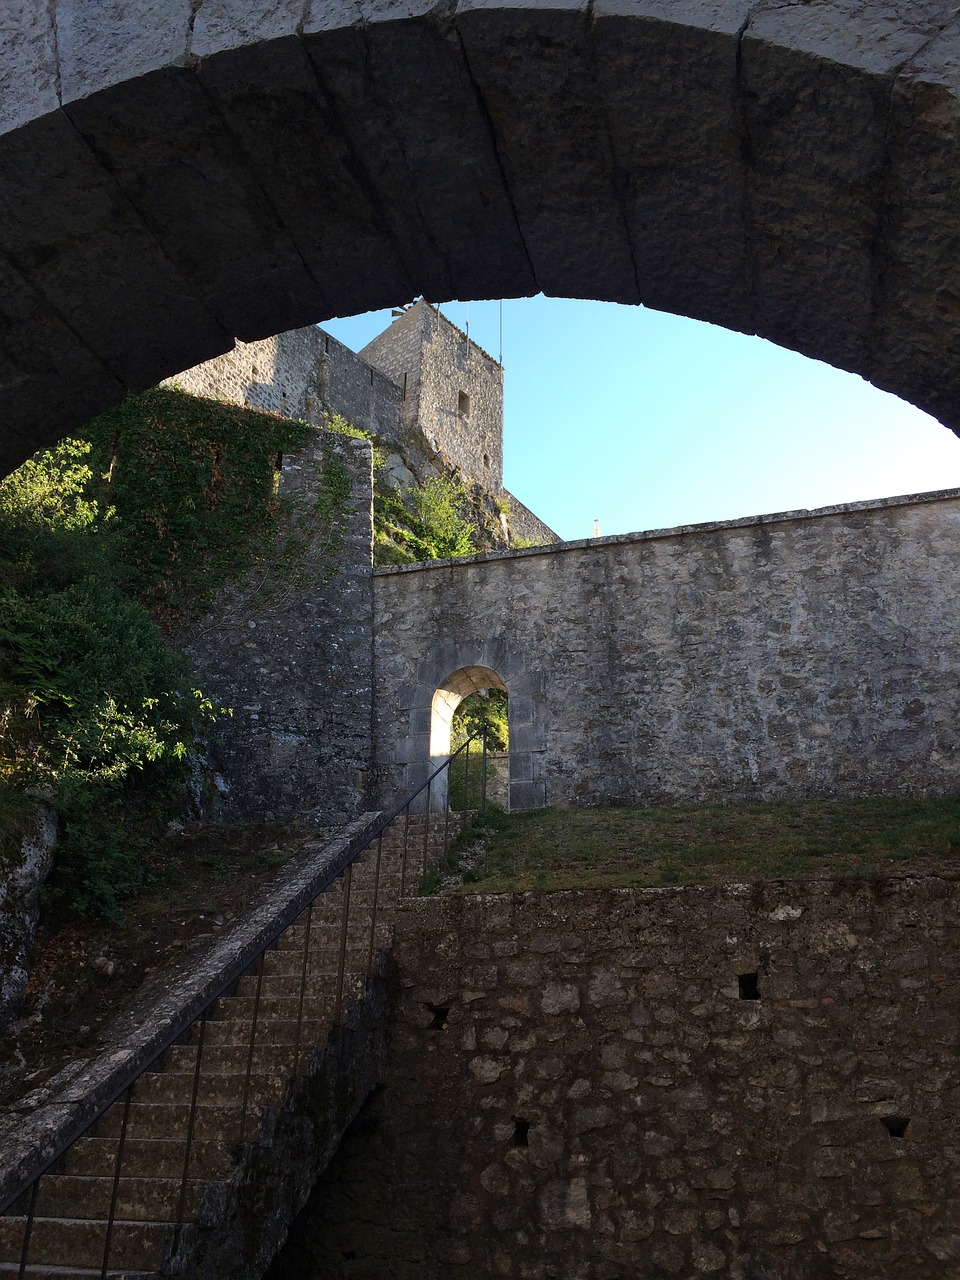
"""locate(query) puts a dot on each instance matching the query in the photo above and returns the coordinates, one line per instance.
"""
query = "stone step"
(160, 1088)
(138, 1199)
(148, 1158)
(219, 1123)
(73, 1243)
(42, 1272)
(320, 980)
(320, 960)
(316, 1008)
(272, 1029)
(326, 948)
(220, 1059)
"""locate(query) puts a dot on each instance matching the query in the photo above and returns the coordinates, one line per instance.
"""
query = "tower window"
(463, 404)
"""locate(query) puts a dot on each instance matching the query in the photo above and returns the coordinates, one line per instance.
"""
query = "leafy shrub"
(424, 522)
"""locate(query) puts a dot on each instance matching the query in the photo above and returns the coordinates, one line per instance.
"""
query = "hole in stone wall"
(521, 1132)
(439, 1016)
(486, 459)
(896, 1126)
(749, 988)
(463, 404)
(326, 342)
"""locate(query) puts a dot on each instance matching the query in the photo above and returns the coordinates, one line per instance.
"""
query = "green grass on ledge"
(552, 849)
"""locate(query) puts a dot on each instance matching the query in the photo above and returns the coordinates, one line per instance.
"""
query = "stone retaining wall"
(748, 1081)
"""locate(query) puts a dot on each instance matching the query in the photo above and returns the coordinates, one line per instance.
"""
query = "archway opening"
(471, 700)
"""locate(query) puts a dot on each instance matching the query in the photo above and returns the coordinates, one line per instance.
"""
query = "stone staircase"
(158, 1164)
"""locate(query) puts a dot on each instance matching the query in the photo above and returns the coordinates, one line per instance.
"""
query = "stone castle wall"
(294, 661)
(300, 375)
(404, 388)
(525, 526)
(800, 655)
(453, 390)
(579, 1087)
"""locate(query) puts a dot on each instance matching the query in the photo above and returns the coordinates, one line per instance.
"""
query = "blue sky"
(644, 420)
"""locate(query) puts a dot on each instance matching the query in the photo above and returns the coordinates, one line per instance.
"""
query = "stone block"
(294, 142)
(38, 350)
(527, 795)
(211, 216)
(100, 48)
(532, 71)
(64, 222)
(669, 76)
(29, 72)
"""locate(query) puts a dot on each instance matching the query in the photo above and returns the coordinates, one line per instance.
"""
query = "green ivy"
(192, 482)
(164, 500)
(483, 712)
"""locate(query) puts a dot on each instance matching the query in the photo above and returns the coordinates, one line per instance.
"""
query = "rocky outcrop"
(20, 886)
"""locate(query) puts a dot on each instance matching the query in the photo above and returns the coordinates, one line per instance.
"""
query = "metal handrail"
(248, 957)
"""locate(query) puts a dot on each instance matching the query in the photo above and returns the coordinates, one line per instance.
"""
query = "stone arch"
(176, 176)
(452, 691)
(446, 674)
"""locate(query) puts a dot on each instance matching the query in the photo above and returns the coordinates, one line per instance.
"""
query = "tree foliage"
(96, 710)
(483, 713)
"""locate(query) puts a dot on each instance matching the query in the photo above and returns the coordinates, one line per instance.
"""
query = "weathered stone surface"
(309, 171)
(67, 188)
(37, 352)
(100, 46)
(28, 73)
(19, 907)
(232, 24)
(443, 189)
(672, 111)
(31, 1132)
(561, 175)
(294, 661)
(797, 655)
(778, 168)
(183, 170)
(713, 1162)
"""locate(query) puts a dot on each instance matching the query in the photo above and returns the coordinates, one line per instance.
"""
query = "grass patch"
(552, 849)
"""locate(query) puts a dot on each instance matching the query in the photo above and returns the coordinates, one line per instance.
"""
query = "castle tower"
(452, 390)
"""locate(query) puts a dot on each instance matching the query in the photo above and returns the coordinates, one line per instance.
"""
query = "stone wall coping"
(809, 889)
(40, 1124)
(678, 531)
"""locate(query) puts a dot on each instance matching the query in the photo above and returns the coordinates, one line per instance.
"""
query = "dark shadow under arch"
(170, 183)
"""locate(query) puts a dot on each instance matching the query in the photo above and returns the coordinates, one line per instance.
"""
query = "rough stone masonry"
(811, 653)
(746, 1081)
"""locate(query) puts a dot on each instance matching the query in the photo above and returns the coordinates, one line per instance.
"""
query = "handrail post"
(426, 830)
(344, 926)
(483, 778)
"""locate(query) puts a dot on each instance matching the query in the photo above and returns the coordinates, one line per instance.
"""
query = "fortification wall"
(525, 526)
(577, 1089)
(294, 661)
(805, 654)
(453, 391)
(301, 374)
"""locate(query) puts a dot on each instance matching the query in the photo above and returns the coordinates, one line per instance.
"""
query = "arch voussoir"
(172, 180)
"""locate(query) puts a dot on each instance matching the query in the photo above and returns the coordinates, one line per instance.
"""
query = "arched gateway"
(178, 175)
